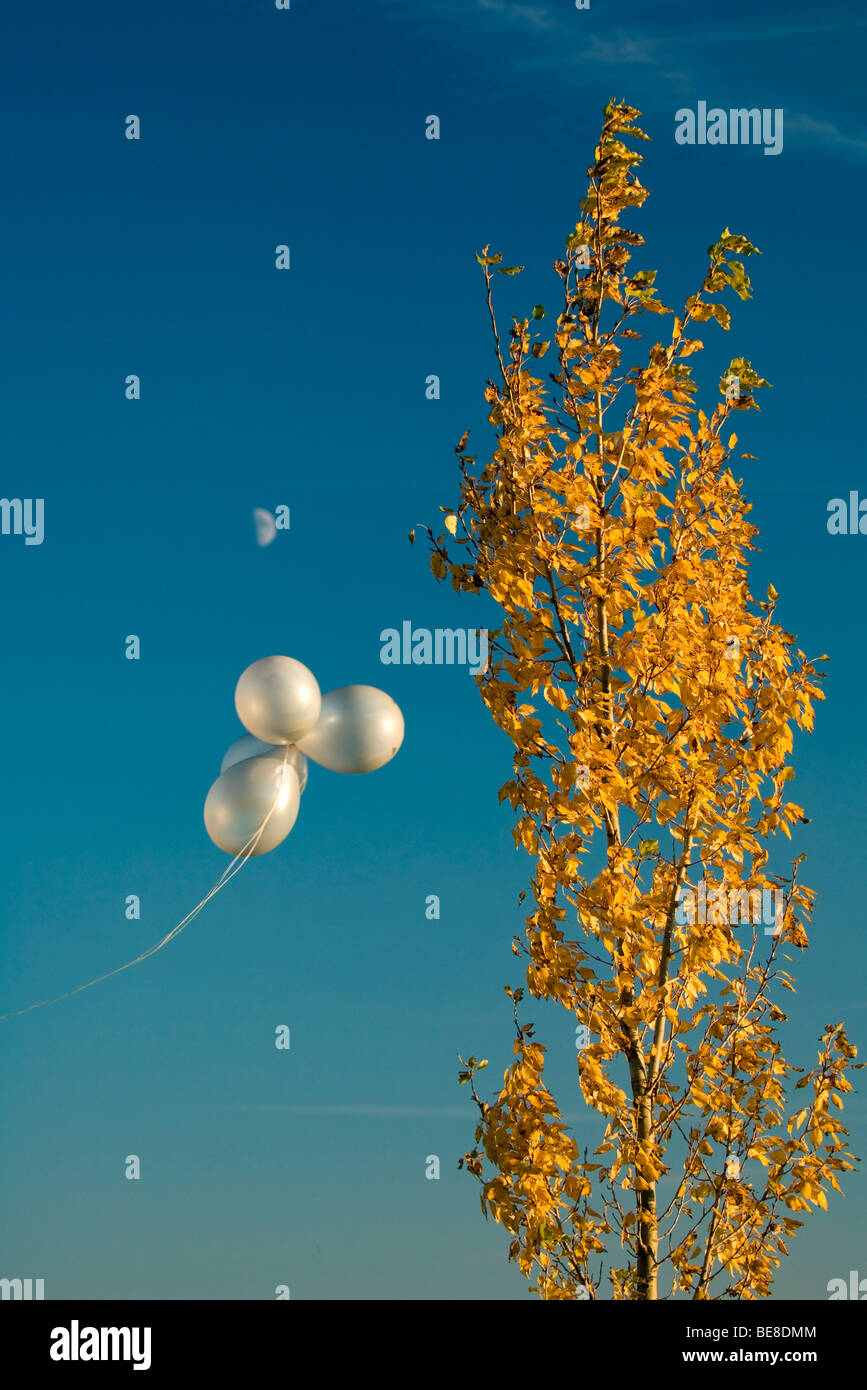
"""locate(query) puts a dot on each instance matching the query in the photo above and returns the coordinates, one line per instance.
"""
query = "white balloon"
(278, 699)
(241, 798)
(249, 747)
(359, 729)
(266, 527)
(246, 747)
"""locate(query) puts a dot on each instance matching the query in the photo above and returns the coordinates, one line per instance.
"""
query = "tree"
(618, 559)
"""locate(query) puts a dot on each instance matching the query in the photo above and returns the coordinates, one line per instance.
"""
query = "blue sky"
(307, 388)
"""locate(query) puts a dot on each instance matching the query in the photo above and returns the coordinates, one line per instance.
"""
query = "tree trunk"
(645, 1210)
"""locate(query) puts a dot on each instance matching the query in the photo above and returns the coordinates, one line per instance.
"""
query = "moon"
(266, 527)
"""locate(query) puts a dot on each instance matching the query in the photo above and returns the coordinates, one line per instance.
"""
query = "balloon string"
(228, 873)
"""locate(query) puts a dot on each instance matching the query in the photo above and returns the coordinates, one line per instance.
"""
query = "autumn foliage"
(650, 700)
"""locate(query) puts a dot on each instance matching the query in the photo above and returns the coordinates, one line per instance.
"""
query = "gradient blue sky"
(306, 387)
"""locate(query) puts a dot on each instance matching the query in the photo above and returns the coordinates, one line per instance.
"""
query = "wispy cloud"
(538, 17)
(824, 132)
(543, 17)
(628, 51)
(577, 45)
(620, 48)
(677, 55)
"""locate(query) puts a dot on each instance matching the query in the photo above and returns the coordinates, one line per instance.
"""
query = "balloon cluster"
(256, 797)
